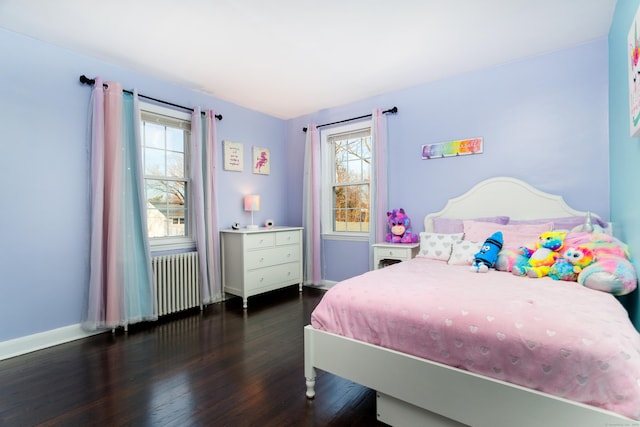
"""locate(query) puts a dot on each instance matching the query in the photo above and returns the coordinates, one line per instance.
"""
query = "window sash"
(335, 214)
(168, 224)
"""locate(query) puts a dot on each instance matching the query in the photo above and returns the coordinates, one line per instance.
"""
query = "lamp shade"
(252, 203)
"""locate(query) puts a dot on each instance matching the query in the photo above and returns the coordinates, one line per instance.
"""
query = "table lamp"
(251, 204)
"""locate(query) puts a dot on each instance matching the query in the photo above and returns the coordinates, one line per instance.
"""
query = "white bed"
(415, 391)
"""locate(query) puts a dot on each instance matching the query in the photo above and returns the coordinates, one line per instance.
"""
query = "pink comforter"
(553, 336)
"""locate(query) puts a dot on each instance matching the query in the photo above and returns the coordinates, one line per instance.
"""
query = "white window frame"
(161, 244)
(328, 172)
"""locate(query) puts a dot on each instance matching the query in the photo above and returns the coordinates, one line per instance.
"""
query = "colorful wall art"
(452, 148)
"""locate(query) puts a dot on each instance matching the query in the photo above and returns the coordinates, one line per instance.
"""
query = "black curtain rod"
(392, 110)
(87, 81)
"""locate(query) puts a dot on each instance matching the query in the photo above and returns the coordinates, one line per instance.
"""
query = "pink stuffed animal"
(400, 227)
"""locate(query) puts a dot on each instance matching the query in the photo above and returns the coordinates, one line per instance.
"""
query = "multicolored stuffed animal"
(400, 227)
(486, 258)
(571, 263)
(537, 262)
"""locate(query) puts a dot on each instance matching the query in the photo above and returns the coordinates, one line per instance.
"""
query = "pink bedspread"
(553, 336)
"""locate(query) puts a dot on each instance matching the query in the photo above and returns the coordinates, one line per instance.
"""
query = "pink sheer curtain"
(203, 178)
(120, 283)
(379, 198)
(311, 207)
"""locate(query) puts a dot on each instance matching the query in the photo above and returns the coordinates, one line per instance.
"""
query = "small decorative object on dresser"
(385, 254)
(255, 261)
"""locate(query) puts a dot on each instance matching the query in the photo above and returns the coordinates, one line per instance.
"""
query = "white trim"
(327, 155)
(39, 341)
(164, 111)
(358, 237)
(324, 284)
(163, 244)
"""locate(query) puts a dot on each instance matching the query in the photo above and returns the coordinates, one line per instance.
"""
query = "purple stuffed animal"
(400, 226)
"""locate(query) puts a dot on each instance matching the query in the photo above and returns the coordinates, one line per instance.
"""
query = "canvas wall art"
(261, 161)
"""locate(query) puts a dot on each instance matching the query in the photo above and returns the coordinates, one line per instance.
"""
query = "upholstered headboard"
(504, 196)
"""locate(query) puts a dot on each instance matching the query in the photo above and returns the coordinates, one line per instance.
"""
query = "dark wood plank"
(224, 366)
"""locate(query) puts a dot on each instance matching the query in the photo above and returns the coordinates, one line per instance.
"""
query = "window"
(165, 157)
(346, 155)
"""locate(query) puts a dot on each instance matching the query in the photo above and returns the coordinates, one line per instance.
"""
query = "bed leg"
(309, 369)
(311, 387)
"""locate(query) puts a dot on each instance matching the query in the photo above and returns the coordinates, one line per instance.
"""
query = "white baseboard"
(29, 343)
(325, 284)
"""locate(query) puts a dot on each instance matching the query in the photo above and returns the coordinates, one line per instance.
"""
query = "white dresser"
(261, 260)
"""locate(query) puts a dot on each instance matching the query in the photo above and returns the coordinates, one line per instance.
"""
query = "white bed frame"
(412, 391)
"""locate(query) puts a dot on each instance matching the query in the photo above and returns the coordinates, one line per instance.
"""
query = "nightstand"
(384, 252)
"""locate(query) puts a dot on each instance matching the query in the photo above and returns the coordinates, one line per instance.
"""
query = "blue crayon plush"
(488, 255)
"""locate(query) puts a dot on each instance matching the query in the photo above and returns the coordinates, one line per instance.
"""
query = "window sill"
(169, 246)
(353, 237)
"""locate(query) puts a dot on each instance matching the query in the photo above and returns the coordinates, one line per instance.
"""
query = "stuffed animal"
(486, 258)
(571, 263)
(536, 262)
(400, 227)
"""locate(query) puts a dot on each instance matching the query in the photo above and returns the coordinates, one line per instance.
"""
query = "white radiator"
(177, 283)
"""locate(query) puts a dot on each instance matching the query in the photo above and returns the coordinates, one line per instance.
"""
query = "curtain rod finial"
(87, 81)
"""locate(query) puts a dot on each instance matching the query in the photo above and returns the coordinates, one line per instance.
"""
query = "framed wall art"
(233, 156)
(261, 161)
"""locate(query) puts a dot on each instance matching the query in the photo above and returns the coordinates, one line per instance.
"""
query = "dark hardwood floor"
(223, 366)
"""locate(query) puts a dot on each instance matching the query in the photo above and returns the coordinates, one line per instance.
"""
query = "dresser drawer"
(273, 256)
(287, 237)
(260, 240)
(269, 276)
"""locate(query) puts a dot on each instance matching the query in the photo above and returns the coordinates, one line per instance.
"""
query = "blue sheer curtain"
(121, 288)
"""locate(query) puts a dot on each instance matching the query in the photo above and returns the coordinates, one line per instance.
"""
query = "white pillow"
(437, 245)
(463, 252)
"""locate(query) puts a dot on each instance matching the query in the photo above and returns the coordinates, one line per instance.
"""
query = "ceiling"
(288, 58)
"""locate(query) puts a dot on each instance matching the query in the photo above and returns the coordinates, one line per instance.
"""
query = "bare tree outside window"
(164, 155)
(351, 181)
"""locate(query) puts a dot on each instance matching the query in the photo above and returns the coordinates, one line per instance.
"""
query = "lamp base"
(252, 227)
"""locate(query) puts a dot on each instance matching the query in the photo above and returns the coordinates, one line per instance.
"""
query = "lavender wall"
(543, 120)
(43, 165)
